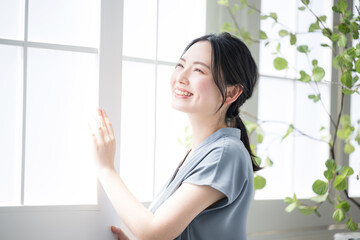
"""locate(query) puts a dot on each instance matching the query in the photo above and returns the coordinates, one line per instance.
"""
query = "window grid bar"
(155, 98)
(146, 60)
(52, 46)
(22, 180)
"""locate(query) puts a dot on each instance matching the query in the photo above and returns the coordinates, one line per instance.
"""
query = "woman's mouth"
(182, 93)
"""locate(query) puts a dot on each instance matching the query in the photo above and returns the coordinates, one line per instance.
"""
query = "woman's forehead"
(199, 51)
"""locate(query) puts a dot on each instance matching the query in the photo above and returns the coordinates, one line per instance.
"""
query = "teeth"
(177, 91)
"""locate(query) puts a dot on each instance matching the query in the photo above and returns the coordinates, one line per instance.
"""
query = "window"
(49, 81)
(150, 129)
(283, 100)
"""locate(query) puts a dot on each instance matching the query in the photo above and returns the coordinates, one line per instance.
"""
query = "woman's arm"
(171, 218)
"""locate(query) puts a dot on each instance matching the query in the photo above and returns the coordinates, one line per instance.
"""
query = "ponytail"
(238, 123)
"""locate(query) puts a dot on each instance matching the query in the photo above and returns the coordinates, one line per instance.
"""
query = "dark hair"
(232, 64)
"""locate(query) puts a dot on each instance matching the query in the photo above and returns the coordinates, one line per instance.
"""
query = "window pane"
(179, 23)
(62, 89)
(137, 128)
(286, 12)
(12, 19)
(281, 102)
(10, 124)
(139, 29)
(274, 93)
(309, 165)
(72, 22)
(354, 159)
(170, 126)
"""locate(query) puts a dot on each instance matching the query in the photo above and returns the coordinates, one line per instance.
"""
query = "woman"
(208, 197)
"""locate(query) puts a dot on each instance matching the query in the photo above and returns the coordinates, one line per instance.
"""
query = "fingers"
(119, 233)
(108, 125)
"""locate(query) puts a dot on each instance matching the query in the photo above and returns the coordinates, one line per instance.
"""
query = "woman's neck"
(203, 128)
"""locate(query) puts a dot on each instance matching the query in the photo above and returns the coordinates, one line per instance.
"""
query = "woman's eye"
(198, 70)
(179, 65)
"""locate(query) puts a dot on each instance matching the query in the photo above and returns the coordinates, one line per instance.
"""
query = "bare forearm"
(136, 217)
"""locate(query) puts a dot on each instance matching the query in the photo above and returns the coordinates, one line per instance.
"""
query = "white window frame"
(75, 221)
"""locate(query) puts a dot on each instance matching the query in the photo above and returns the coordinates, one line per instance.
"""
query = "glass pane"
(176, 30)
(139, 29)
(71, 22)
(354, 159)
(10, 124)
(309, 118)
(137, 128)
(62, 91)
(286, 12)
(170, 125)
(273, 93)
(12, 19)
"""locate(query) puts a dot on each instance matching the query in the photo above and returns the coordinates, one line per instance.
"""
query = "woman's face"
(192, 85)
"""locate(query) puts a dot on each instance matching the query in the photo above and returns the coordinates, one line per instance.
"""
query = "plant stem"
(332, 149)
(351, 199)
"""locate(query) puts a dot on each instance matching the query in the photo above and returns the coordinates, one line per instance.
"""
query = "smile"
(182, 93)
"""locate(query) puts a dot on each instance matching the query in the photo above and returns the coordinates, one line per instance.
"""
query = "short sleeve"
(224, 168)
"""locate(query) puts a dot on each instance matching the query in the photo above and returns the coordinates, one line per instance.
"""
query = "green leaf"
(289, 130)
(303, 49)
(347, 91)
(323, 18)
(291, 207)
(319, 198)
(273, 15)
(315, 98)
(314, 62)
(329, 174)
(259, 138)
(318, 74)
(280, 63)
(342, 40)
(263, 17)
(341, 6)
(257, 160)
(250, 126)
(330, 164)
(314, 26)
(305, 2)
(278, 47)
(343, 133)
(339, 215)
(259, 182)
(353, 226)
(228, 27)
(223, 2)
(344, 205)
(262, 35)
(283, 33)
(357, 65)
(304, 77)
(325, 45)
(348, 148)
(292, 39)
(340, 183)
(346, 79)
(320, 187)
(302, 8)
(347, 171)
(269, 162)
(334, 36)
(288, 200)
(305, 210)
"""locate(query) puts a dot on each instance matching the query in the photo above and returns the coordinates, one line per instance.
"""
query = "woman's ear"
(233, 92)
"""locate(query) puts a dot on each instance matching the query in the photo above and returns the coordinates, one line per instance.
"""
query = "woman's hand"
(119, 233)
(103, 140)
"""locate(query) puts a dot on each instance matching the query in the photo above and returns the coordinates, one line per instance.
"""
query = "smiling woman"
(215, 185)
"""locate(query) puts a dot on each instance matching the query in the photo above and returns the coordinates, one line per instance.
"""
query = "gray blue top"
(222, 162)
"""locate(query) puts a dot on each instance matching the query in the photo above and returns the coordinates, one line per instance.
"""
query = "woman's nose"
(183, 77)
